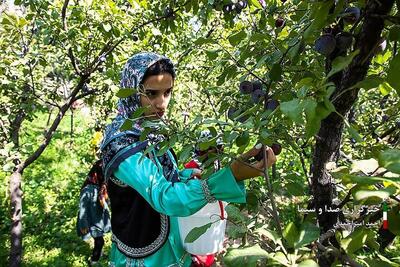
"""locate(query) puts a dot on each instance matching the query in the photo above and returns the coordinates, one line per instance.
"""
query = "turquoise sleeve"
(180, 198)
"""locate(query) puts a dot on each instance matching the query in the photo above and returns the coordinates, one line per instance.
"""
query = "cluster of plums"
(257, 94)
(327, 42)
(237, 7)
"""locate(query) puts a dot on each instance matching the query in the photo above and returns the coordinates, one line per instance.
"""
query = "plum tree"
(325, 44)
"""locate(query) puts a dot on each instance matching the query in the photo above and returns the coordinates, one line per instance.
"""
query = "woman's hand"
(84, 230)
(243, 171)
(196, 173)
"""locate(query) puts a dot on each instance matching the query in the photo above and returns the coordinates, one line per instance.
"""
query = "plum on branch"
(351, 15)
(277, 148)
(325, 44)
(246, 87)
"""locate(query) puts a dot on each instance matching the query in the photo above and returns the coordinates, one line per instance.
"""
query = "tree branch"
(63, 15)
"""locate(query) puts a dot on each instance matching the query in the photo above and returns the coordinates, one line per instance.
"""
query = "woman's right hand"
(243, 170)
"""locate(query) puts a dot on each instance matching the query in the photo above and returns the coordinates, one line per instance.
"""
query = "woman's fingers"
(251, 153)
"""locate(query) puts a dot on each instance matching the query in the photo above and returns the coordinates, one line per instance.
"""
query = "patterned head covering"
(114, 139)
(132, 76)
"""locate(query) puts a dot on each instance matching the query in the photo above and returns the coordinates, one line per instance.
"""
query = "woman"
(147, 192)
(94, 217)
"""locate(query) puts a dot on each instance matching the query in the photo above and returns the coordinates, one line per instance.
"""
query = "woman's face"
(157, 94)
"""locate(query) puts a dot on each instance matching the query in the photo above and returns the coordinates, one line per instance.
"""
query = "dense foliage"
(320, 78)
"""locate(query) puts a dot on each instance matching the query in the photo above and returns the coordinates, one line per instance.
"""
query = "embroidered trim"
(117, 181)
(207, 192)
(145, 251)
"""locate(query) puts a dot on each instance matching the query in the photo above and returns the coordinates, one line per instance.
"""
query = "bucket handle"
(221, 207)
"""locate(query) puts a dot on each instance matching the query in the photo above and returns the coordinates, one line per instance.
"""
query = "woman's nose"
(161, 102)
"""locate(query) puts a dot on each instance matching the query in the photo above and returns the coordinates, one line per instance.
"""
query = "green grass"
(50, 196)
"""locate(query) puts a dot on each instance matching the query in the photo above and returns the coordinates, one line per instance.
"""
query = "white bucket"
(212, 240)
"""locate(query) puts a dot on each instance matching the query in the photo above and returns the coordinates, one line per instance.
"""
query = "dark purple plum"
(257, 95)
(228, 8)
(351, 15)
(277, 148)
(240, 5)
(325, 44)
(257, 85)
(271, 104)
(344, 40)
(279, 22)
(246, 87)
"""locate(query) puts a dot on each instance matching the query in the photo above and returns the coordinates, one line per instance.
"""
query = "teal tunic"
(175, 200)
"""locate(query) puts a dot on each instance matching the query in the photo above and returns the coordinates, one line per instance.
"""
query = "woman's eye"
(151, 93)
(168, 92)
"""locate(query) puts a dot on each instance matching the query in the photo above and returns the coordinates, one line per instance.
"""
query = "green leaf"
(202, 40)
(185, 153)
(236, 231)
(394, 33)
(234, 214)
(291, 234)
(393, 76)
(212, 54)
(308, 233)
(106, 27)
(394, 220)
(355, 240)
(243, 139)
(385, 88)
(196, 232)
(340, 63)
(390, 160)
(122, 93)
(308, 263)
(320, 11)
(292, 109)
(270, 234)
(276, 72)
(127, 125)
(295, 189)
(370, 82)
(313, 122)
(255, 3)
(367, 180)
(382, 193)
(248, 256)
(237, 38)
(353, 133)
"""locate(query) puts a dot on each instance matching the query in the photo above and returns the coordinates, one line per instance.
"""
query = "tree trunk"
(16, 218)
(329, 136)
(16, 178)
